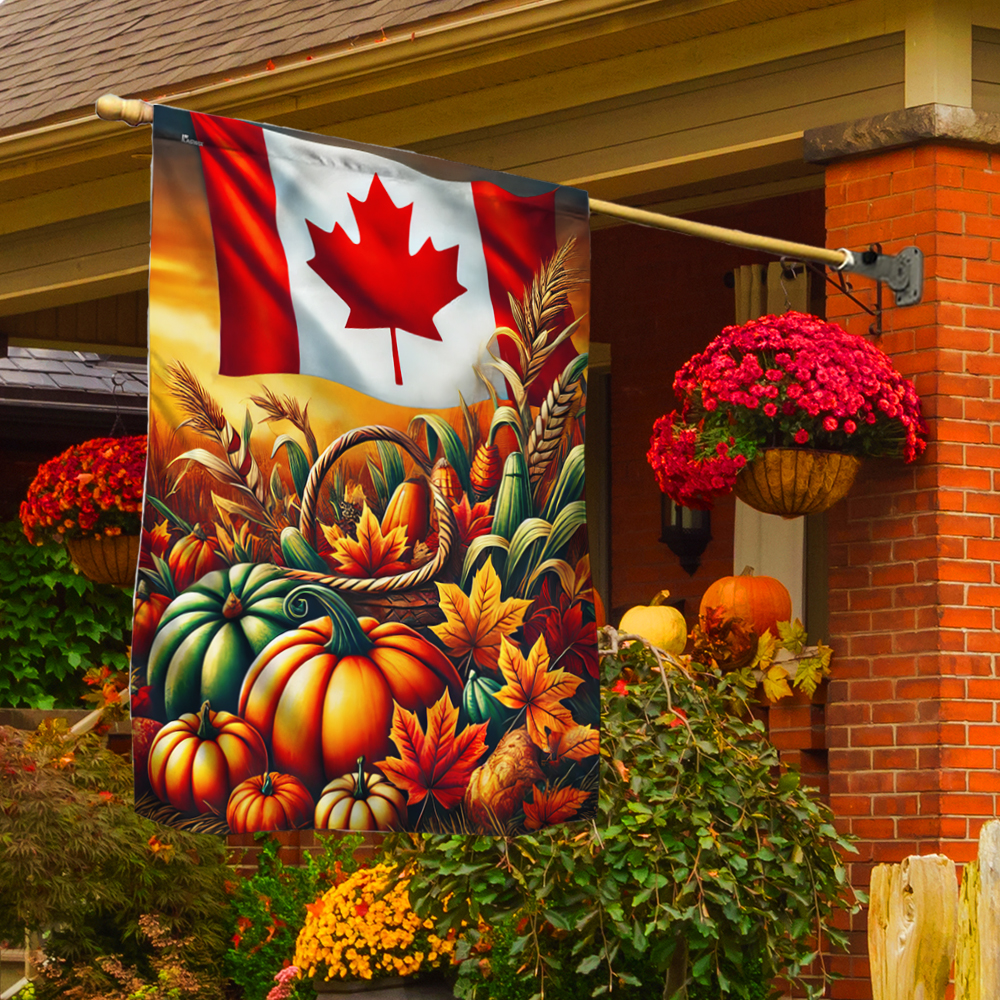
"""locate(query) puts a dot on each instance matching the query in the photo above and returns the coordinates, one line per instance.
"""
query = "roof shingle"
(138, 46)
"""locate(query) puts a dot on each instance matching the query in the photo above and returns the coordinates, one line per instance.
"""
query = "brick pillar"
(913, 726)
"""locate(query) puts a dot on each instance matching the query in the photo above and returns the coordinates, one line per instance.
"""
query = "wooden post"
(911, 928)
(989, 909)
(968, 985)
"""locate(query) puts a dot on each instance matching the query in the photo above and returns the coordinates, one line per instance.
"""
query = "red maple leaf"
(438, 762)
(380, 280)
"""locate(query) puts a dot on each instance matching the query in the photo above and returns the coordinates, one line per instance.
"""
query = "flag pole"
(903, 272)
(113, 108)
(780, 248)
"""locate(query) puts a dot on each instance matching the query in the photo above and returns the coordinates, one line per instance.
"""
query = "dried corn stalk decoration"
(365, 534)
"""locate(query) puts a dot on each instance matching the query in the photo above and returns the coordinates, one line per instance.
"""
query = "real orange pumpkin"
(761, 601)
(269, 801)
(659, 623)
(197, 760)
(322, 694)
(361, 801)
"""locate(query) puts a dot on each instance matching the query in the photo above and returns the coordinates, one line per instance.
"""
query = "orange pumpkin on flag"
(322, 694)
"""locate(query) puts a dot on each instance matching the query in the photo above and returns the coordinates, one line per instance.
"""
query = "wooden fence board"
(912, 923)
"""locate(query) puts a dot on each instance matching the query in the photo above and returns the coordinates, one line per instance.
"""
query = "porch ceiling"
(484, 83)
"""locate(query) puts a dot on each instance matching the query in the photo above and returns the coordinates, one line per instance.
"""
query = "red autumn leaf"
(439, 762)
(572, 642)
(553, 806)
(472, 521)
(378, 278)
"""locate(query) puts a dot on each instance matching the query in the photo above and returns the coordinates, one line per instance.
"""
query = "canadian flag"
(377, 269)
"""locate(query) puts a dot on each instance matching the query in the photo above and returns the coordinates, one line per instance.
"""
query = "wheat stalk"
(205, 415)
(546, 433)
(542, 306)
(288, 408)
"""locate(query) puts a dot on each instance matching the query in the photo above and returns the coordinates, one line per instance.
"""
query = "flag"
(363, 265)
(364, 579)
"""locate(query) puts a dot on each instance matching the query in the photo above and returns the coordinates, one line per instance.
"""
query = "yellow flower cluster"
(364, 928)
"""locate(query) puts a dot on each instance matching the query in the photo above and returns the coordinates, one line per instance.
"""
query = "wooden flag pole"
(903, 272)
(780, 248)
(113, 108)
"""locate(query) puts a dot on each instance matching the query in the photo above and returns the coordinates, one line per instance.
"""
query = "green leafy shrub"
(80, 868)
(54, 624)
(704, 855)
(268, 910)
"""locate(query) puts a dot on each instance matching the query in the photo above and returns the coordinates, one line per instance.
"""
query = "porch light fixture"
(685, 531)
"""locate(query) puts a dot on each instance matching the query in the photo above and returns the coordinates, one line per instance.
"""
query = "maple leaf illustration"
(472, 521)
(436, 763)
(536, 689)
(386, 286)
(575, 743)
(553, 806)
(571, 641)
(476, 624)
(372, 553)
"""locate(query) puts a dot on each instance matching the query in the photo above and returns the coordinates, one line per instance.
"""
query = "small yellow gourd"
(657, 623)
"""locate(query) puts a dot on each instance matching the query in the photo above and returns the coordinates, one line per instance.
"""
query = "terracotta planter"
(389, 988)
(796, 481)
(110, 559)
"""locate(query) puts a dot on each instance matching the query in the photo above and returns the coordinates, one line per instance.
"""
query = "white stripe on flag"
(312, 182)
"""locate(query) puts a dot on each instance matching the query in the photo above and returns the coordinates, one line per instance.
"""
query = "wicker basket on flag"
(409, 597)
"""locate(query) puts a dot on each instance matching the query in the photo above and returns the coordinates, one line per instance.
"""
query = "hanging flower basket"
(796, 481)
(110, 559)
(765, 402)
(90, 499)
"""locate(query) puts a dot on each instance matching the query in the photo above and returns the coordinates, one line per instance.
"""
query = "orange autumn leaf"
(438, 762)
(553, 806)
(531, 686)
(477, 623)
(372, 553)
(575, 743)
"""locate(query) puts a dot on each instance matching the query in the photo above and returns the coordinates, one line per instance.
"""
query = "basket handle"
(447, 528)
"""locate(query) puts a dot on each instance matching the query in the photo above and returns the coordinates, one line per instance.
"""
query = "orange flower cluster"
(94, 488)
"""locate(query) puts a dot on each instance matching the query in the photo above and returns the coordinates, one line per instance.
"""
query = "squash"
(192, 557)
(481, 706)
(360, 801)
(409, 508)
(761, 601)
(658, 623)
(269, 801)
(197, 760)
(210, 634)
(322, 693)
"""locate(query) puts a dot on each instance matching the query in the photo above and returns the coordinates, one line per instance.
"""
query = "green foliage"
(54, 624)
(701, 842)
(81, 868)
(268, 910)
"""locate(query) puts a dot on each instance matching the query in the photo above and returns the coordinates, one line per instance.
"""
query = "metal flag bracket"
(903, 272)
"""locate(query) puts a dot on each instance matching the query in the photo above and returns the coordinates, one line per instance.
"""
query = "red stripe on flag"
(257, 323)
(518, 234)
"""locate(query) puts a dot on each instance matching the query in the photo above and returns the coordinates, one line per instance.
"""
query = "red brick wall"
(659, 298)
(912, 716)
